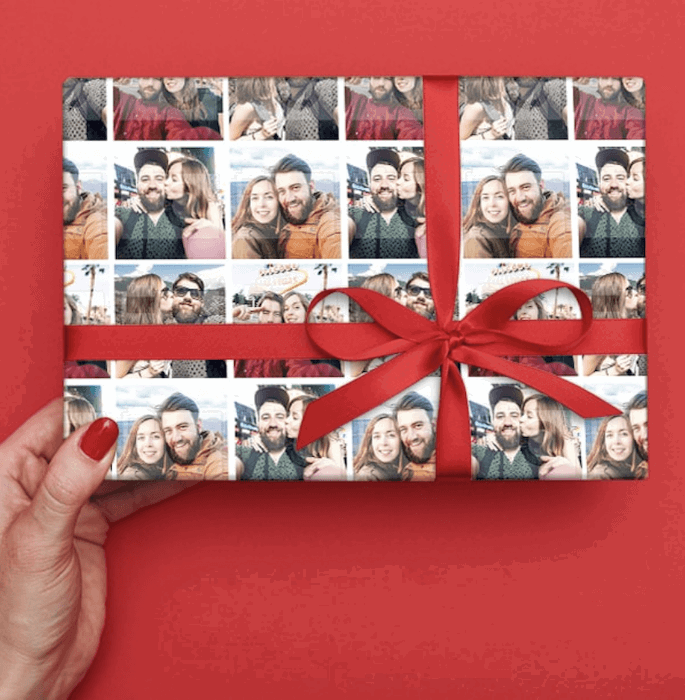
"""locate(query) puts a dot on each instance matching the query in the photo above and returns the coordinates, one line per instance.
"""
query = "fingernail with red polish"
(97, 441)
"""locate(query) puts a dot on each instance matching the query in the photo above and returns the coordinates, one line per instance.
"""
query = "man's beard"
(424, 311)
(642, 449)
(384, 204)
(273, 444)
(72, 211)
(426, 451)
(194, 449)
(508, 443)
(306, 211)
(149, 96)
(380, 96)
(615, 204)
(185, 313)
(152, 206)
(535, 212)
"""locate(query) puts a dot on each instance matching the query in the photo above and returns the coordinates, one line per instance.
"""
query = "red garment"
(535, 361)
(134, 120)
(284, 368)
(596, 119)
(368, 120)
(73, 370)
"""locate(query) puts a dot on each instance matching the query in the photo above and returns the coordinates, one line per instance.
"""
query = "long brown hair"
(609, 296)
(243, 214)
(552, 424)
(255, 90)
(129, 455)
(474, 215)
(599, 455)
(412, 99)
(365, 453)
(384, 283)
(187, 100)
(320, 447)
(484, 90)
(77, 412)
(197, 185)
(142, 301)
(420, 177)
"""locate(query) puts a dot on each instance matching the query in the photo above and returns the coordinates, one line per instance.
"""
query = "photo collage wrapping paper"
(237, 200)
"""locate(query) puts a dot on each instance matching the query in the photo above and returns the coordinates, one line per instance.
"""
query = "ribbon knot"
(484, 338)
(455, 339)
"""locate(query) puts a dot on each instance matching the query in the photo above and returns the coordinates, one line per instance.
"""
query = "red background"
(398, 590)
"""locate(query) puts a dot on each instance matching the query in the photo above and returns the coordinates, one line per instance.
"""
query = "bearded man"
(84, 215)
(415, 421)
(389, 231)
(616, 232)
(196, 454)
(543, 228)
(148, 234)
(313, 218)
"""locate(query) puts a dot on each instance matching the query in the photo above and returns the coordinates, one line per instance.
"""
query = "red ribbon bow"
(425, 346)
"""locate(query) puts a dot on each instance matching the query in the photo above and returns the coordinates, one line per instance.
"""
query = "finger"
(136, 495)
(76, 470)
(42, 434)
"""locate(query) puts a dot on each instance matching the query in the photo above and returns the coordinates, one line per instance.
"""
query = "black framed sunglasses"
(414, 290)
(165, 292)
(182, 291)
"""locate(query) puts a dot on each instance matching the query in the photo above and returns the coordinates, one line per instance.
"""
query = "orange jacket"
(549, 236)
(423, 472)
(210, 463)
(319, 236)
(85, 238)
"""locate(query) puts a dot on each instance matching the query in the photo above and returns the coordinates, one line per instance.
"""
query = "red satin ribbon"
(425, 346)
(479, 339)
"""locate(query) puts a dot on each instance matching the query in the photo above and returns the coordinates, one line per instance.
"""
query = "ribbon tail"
(368, 391)
(579, 400)
(453, 433)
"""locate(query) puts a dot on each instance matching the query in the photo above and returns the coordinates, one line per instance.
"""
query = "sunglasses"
(165, 292)
(182, 291)
(414, 291)
(641, 288)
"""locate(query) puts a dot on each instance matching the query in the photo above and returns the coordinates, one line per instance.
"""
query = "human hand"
(134, 204)
(598, 203)
(242, 312)
(581, 81)
(368, 204)
(323, 469)
(256, 443)
(156, 367)
(353, 80)
(491, 443)
(52, 562)
(269, 128)
(499, 128)
(623, 364)
(558, 468)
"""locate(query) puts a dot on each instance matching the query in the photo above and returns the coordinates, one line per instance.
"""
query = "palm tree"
(555, 269)
(91, 270)
(322, 269)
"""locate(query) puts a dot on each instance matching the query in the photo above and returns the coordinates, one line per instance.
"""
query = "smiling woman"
(144, 455)
(613, 455)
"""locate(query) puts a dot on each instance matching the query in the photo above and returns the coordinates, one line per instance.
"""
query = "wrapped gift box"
(203, 217)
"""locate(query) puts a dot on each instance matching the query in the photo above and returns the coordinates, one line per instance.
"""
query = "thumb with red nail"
(52, 565)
